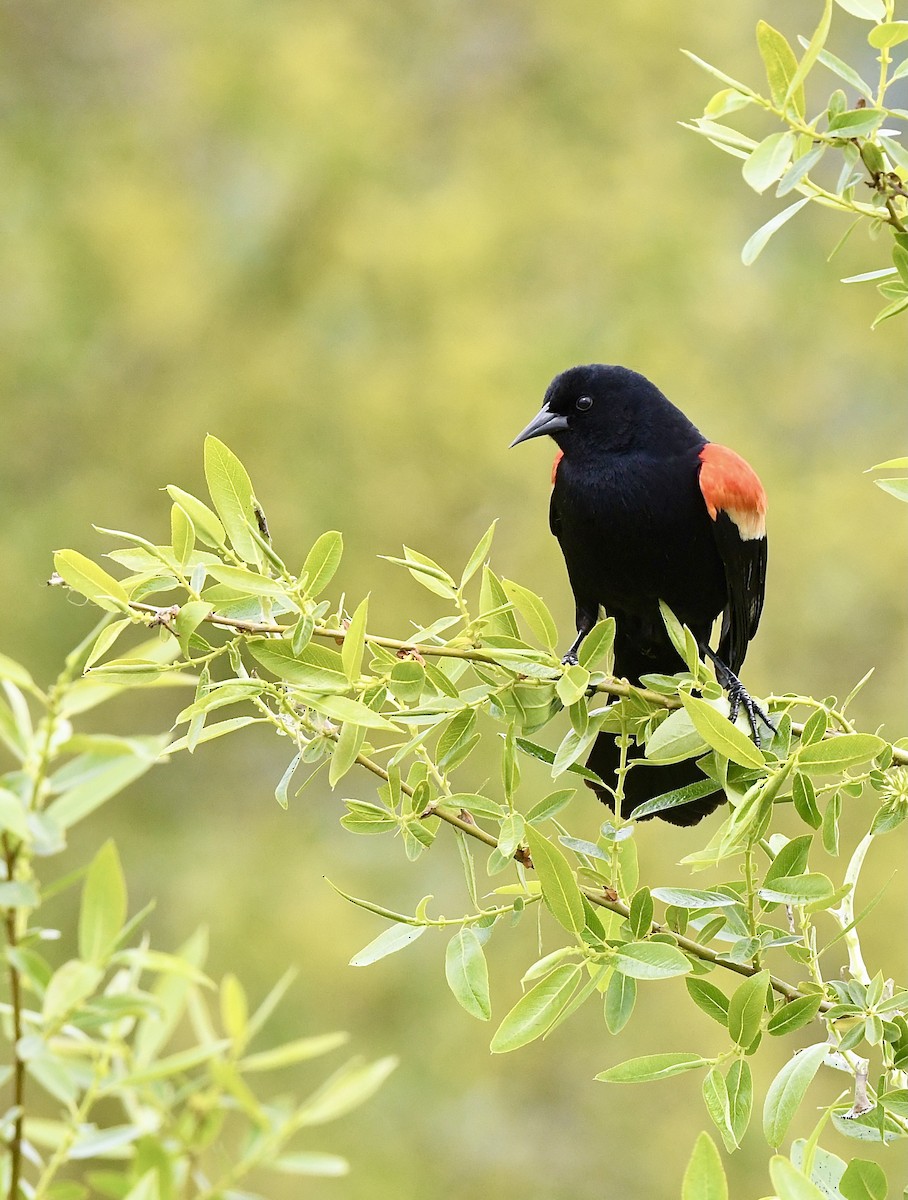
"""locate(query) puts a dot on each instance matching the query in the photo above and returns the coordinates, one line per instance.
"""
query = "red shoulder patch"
(730, 485)
(558, 457)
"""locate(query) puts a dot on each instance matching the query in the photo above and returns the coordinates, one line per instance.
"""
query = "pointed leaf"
(103, 910)
(231, 492)
(533, 1013)
(559, 887)
(467, 973)
(704, 1178)
(787, 1091)
(717, 731)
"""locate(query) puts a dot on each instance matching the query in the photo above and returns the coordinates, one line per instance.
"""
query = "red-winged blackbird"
(646, 509)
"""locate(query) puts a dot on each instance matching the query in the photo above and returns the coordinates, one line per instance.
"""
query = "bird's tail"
(646, 782)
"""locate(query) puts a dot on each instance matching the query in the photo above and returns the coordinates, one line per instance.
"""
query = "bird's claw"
(570, 659)
(738, 695)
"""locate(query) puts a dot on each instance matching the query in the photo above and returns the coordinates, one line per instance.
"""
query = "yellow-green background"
(355, 240)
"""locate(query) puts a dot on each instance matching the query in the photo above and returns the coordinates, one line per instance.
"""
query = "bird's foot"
(570, 659)
(738, 697)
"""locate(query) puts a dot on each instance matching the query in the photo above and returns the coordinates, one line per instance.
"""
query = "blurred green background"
(355, 240)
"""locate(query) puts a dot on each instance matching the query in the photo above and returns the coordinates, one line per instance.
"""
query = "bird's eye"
(583, 403)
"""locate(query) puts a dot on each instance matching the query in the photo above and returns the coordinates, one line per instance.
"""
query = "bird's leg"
(587, 615)
(738, 695)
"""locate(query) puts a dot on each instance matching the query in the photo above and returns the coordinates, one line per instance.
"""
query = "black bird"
(646, 509)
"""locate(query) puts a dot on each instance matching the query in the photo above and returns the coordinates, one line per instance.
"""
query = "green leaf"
(315, 667)
(534, 611)
(99, 787)
(207, 526)
(855, 122)
(173, 1064)
(103, 910)
(297, 1051)
(550, 805)
(789, 1182)
(787, 1091)
(814, 49)
(794, 1015)
(479, 555)
(322, 561)
(709, 999)
(534, 1012)
(769, 161)
(90, 580)
(311, 1162)
(572, 685)
(746, 1008)
(719, 733)
(863, 1179)
(781, 68)
(836, 754)
(355, 642)
(244, 581)
(890, 34)
(798, 890)
(740, 1088)
(691, 898)
(350, 1087)
(468, 974)
(651, 960)
(349, 743)
(182, 535)
(18, 893)
(388, 942)
(866, 10)
(13, 818)
(652, 1066)
(231, 492)
(640, 918)
(674, 739)
(597, 643)
(678, 796)
(560, 892)
(704, 1178)
(620, 997)
(69, 985)
(756, 243)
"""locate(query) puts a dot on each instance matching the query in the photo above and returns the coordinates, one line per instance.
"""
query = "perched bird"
(646, 509)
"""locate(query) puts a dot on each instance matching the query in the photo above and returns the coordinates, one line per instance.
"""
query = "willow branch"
(598, 896)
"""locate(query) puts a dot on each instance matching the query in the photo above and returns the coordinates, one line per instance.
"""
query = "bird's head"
(602, 407)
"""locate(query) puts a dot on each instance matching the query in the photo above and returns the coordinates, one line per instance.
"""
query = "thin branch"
(613, 687)
(599, 896)
(15, 993)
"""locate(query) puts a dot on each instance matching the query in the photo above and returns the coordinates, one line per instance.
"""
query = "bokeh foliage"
(356, 241)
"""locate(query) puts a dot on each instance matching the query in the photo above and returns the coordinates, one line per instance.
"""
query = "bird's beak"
(545, 421)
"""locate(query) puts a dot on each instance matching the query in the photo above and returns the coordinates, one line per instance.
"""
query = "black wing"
(744, 560)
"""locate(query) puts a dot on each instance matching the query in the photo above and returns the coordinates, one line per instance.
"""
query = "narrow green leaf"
(311, 1162)
(691, 898)
(102, 785)
(388, 942)
(817, 42)
(534, 1012)
(652, 1066)
(300, 1050)
(787, 1091)
(597, 644)
(315, 667)
(890, 34)
(798, 889)
(704, 1178)
(769, 161)
(350, 1087)
(349, 743)
(207, 526)
(794, 1015)
(740, 1088)
(789, 1182)
(756, 243)
(231, 492)
(559, 887)
(90, 580)
(746, 1008)
(534, 611)
(863, 1179)
(620, 997)
(479, 555)
(355, 642)
(717, 731)
(651, 960)
(103, 910)
(708, 998)
(322, 562)
(715, 1097)
(866, 10)
(837, 754)
(467, 973)
(781, 68)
